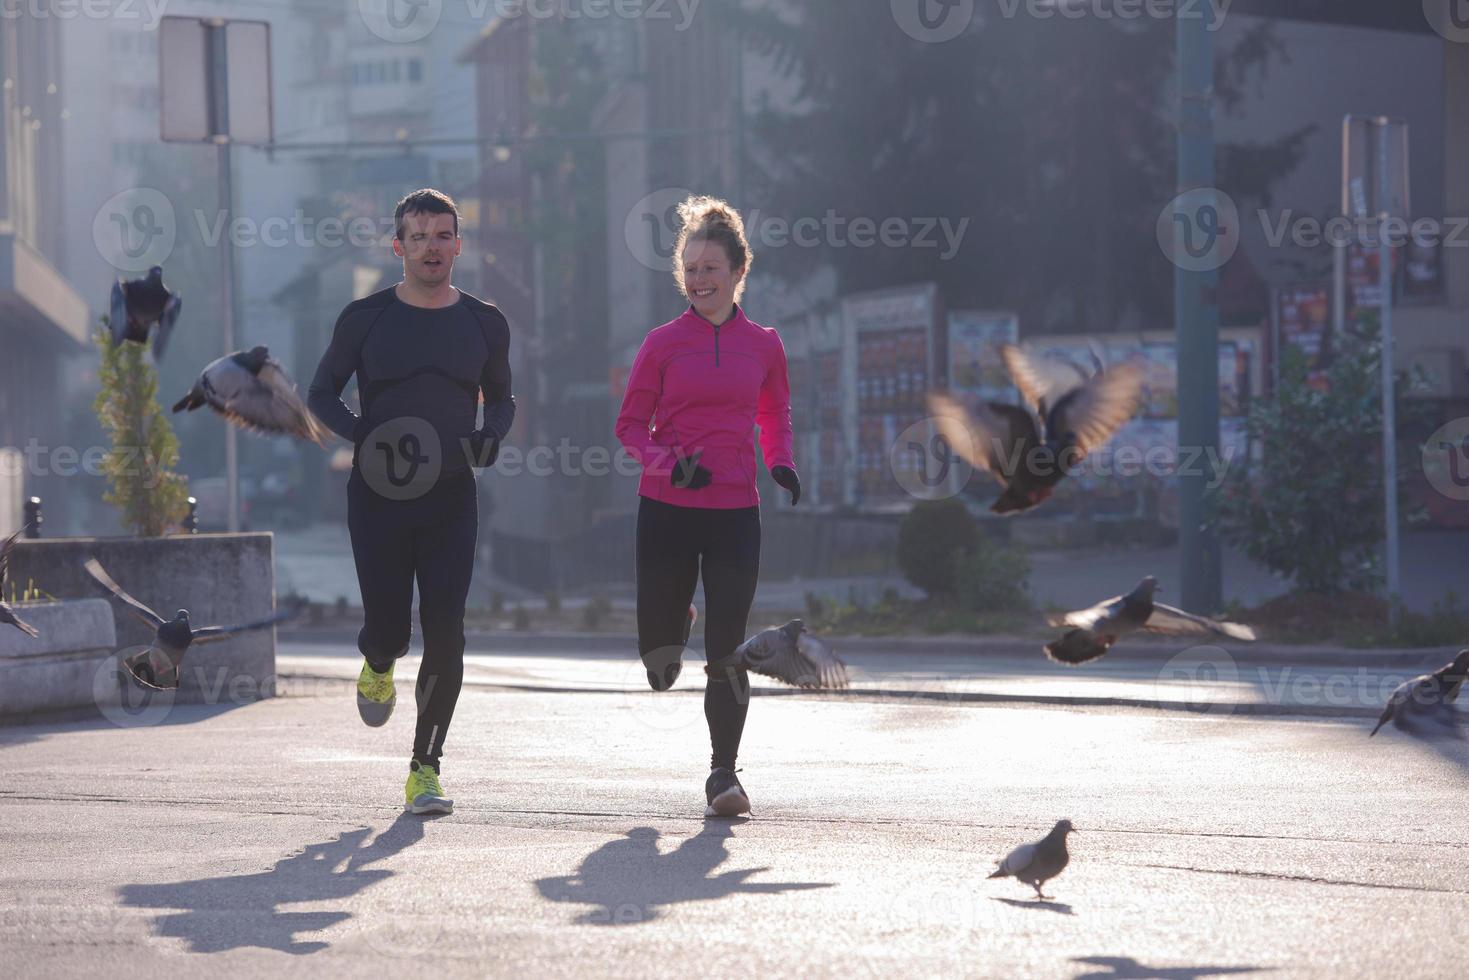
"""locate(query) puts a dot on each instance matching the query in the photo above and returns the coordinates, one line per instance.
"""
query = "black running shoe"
(725, 795)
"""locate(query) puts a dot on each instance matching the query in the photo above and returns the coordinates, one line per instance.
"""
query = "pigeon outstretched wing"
(212, 634)
(266, 403)
(99, 575)
(780, 653)
(1176, 622)
(994, 438)
(1088, 416)
(1043, 381)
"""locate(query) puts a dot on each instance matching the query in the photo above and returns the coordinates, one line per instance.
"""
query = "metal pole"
(220, 127)
(1197, 313)
(227, 332)
(1389, 420)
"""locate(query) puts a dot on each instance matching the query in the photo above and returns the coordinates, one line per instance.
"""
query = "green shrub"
(992, 578)
(142, 484)
(928, 537)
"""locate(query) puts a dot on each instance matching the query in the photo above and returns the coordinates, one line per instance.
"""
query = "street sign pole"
(1389, 413)
(219, 108)
(1196, 312)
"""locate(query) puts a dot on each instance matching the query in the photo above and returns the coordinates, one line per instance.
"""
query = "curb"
(965, 647)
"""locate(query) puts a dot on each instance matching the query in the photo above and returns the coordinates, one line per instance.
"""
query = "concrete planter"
(70, 665)
(221, 579)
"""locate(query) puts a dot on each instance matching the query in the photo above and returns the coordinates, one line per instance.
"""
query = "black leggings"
(431, 537)
(676, 545)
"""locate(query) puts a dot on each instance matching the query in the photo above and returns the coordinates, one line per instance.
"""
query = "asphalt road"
(252, 840)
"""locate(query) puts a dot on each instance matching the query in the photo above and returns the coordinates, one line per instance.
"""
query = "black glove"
(788, 479)
(688, 474)
(484, 449)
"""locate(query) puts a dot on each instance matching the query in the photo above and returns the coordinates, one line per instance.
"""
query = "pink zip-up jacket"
(695, 386)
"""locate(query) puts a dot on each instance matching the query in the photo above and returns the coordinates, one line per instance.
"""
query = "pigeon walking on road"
(140, 304)
(1035, 864)
(251, 390)
(1029, 451)
(1424, 705)
(1094, 630)
(7, 615)
(791, 654)
(157, 667)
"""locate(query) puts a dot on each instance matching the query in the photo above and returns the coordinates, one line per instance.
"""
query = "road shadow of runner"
(235, 911)
(1127, 968)
(628, 881)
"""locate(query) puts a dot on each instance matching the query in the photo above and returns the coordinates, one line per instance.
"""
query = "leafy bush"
(139, 466)
(1311, 509)
(928, 537)
(992, 578)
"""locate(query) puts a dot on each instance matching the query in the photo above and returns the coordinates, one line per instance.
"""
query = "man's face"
(428, 247)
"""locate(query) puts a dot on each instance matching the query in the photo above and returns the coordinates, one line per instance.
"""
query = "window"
(415, 70)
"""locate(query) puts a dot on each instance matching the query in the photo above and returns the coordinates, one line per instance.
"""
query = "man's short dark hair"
(425, 201)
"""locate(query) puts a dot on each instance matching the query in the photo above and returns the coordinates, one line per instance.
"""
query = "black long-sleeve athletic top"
(421, 362)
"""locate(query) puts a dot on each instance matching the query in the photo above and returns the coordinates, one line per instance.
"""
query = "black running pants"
(430, 538)
(675, 546)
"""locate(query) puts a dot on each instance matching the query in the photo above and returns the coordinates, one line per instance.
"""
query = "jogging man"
(422, 352)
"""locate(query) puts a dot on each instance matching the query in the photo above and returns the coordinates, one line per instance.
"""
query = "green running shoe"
(376, 696)
(423, 794)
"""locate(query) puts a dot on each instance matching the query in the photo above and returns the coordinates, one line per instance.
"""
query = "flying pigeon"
(252, 390)
(793, 655)
(1094, 630)
(1029, 451)
(139, 304)
(1424, 705)
(7, 615)
(1035, 864)
(157, 667)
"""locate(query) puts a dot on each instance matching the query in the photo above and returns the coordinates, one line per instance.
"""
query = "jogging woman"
(699, 386)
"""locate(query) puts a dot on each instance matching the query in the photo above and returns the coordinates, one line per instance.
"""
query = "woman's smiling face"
(709, 281)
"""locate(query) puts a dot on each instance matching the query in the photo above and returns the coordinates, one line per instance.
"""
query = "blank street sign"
(189, 52)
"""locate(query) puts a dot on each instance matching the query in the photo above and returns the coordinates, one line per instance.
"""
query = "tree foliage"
(149, 495)
(1054, 137)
